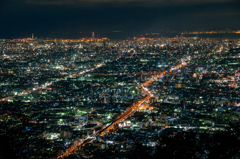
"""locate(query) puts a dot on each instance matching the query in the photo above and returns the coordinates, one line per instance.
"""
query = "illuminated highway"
(124, 115)
(133, 108)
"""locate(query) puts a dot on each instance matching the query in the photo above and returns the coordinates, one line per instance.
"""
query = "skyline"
(22, 17)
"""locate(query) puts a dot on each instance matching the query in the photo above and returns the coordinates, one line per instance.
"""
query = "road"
(124, 115)
(133, 108)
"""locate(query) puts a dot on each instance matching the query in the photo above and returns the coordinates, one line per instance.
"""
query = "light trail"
(131, 110)
(124, 115)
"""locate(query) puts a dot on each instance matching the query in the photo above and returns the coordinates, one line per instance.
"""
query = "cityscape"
(63, 98)
(120, 79)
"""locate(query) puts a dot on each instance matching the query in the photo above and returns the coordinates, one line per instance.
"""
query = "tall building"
(93, 35)
(32, 36)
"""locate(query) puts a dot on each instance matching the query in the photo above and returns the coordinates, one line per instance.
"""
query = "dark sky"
(22, 17)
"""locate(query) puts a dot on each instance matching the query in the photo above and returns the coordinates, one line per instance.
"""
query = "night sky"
(19, 18)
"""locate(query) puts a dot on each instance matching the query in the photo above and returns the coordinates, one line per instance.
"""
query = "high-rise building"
(32, 36)
(93, 35)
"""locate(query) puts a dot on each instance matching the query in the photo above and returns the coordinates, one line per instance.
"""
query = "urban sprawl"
(135, 98)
